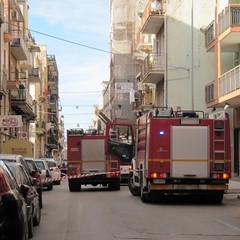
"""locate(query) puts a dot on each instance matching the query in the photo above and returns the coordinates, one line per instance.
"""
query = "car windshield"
(51, 164)
(40, 165)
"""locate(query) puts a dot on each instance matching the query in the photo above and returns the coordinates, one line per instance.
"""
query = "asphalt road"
(99, 214)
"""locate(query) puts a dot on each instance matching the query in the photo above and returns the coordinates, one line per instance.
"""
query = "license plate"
(159, 181)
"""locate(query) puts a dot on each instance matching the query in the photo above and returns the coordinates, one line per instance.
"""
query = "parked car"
(37, 175)
(45, 173)
(17, 158)
(30, 196)
(13, 208)
(54, 170)
(125, 171)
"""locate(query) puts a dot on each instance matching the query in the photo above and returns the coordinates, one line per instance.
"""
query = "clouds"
(81, 69)
(74, 15)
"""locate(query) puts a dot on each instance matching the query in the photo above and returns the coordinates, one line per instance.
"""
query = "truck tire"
(114, 186)
(134, 190)
(215, 198)
(74, 186)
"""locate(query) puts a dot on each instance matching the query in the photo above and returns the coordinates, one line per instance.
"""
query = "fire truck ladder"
(219, 151)
(101, 115)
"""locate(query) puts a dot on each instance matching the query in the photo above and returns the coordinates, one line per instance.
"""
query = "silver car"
(45, 174)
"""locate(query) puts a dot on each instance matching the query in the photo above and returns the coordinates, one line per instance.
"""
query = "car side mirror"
(33, 172)
(24, 190)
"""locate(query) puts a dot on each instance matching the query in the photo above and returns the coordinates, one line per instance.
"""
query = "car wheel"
(37, 218)
(49, 188)
(30, 228)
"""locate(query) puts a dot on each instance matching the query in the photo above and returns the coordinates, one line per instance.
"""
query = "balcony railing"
(153, 63)
(229, 81)
(19, 47)
(34, 75)
(229, 17)
(209, 92)
(152, 19)
(210, 33)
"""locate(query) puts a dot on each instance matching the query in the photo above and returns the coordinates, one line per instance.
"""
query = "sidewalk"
(234, 185)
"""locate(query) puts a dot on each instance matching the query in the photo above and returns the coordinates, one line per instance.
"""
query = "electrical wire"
(68, 41)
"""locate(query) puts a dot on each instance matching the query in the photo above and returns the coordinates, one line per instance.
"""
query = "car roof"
(9, 156)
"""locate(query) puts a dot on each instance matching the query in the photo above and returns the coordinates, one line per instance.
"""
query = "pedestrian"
(21, 91)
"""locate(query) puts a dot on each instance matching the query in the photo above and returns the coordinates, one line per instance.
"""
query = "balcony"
(19, 47)
(152, 20)
(152, 68)
(210, 36)
(52, 85)
(228, 89)
(228, 30)
(143, 42)
(22, 103)
(52, 141)
(12, 85)
(34, 75)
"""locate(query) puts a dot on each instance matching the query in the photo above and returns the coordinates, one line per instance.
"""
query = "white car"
(54, 170)
(125, 171)
(45, 173)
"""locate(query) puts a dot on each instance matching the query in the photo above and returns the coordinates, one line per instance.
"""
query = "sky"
(82, 55)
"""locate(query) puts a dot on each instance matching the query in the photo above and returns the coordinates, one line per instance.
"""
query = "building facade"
(28, 84)
(185, 55)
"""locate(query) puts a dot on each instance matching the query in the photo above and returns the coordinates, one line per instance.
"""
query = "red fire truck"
(183, 152)
(95, 158)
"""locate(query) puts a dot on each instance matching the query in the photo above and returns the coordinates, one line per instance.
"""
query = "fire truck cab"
(95, 157)
(183, 152)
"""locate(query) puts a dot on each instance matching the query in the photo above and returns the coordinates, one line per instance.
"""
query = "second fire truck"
(95, 157)
(184, 152)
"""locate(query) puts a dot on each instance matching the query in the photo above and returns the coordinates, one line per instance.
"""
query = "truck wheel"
(114, 186)
(134, 190)
(74, 186)
(215, 198)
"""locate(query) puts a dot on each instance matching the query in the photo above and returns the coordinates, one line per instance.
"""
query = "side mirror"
(24, 190)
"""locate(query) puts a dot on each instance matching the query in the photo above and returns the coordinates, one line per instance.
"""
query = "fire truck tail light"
(158, 175)
(226, 176)
(154, 175)
(116, 173)
(221, 175)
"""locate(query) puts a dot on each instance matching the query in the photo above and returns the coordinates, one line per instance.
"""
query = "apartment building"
(185, 54)
(222, 40)
(28, 84)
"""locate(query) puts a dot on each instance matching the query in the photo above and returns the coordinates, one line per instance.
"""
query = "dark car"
(31, 196)
(36, 173)
(18, 159)
(13, 208)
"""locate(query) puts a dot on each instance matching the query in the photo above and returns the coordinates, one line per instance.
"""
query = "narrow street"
(97, 213)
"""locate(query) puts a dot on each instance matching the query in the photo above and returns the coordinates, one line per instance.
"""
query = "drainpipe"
(192, 64)
(165, 87)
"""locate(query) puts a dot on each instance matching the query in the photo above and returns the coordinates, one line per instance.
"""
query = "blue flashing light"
(161, 133)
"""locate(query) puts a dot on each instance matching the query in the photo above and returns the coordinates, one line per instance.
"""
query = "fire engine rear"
(95, 158)
(185, 152)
